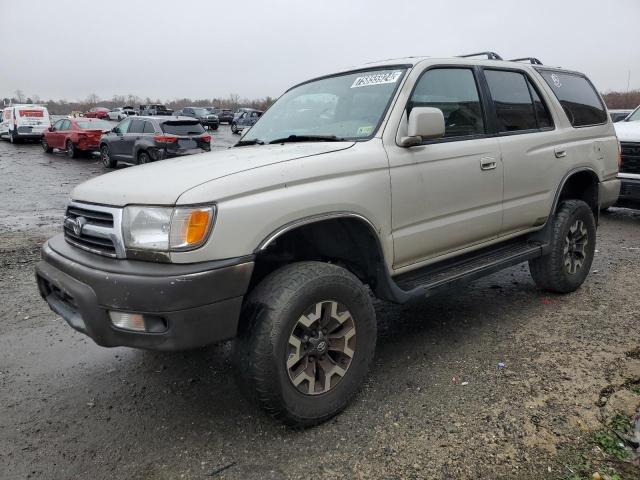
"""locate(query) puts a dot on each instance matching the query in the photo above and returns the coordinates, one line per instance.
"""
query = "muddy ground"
(436, 405)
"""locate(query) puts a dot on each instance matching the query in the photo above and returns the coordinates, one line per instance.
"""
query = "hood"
(628, 131)
(162, 182)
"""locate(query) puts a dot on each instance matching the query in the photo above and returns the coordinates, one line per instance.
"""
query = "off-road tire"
(70, 150)
(107, 159)
(45, 145)
(272, 310)
(550, 272)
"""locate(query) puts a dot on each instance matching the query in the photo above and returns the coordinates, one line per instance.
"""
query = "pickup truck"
(396, 179)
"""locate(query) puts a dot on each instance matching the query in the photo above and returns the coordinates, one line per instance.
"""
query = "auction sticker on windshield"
(376, 79)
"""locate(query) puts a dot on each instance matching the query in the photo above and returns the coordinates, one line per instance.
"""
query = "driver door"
(447, 193)
(118, 145)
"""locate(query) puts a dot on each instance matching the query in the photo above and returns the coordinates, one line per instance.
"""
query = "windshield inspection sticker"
(365, 131)
(556, 80)
(376, 79)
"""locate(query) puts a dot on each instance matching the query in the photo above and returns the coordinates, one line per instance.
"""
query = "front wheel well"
(346, 241)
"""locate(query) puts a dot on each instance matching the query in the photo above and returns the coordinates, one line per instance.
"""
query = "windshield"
(201, 111)
(96, 125)
(635, 116)
(349, 106)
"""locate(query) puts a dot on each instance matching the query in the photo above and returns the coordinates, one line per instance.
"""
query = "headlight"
(164, 229)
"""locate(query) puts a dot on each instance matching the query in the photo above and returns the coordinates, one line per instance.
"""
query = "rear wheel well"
(346, 241)
(582, 185)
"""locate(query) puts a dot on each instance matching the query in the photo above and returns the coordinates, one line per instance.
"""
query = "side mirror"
(50, 129)
(425, 123)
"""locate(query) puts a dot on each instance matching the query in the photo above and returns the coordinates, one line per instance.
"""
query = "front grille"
(630, 157)
(96, 232)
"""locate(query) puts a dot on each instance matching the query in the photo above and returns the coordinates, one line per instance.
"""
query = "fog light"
(128, 321)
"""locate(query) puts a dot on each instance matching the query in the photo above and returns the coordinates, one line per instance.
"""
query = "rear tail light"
(165, 138)
(206, 138)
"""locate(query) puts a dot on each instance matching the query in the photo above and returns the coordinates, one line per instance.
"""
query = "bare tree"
(92, 99)
(19, 95)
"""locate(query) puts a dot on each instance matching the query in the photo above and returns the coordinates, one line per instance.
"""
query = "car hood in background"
(162, 182)
(628, 131)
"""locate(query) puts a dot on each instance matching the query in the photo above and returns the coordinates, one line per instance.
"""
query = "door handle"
(488, 163)
(560, 152)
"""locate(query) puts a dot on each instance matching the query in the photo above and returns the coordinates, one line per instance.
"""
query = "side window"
(65, 125)
(123, 126)
(454, 91)
(512, 100)
(542, 112)
(148, 128)
(137, 126)
(58, 125)
(577, 96)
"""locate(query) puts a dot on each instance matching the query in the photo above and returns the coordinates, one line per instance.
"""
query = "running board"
(427, 280)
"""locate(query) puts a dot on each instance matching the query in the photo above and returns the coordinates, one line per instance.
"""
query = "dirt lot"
(436, 405)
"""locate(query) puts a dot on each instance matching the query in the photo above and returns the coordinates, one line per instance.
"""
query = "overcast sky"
(172, 49)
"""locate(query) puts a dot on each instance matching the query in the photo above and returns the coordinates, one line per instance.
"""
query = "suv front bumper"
(630, 191)
(199, 303)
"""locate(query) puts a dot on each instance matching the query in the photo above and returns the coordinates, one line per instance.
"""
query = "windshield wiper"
(255, 141)
(308, 138)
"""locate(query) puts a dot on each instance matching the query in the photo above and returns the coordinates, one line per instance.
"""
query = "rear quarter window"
(577, 96)
(182, 128)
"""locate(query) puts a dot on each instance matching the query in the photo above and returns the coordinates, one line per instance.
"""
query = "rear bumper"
(608, 192)
(198, 304)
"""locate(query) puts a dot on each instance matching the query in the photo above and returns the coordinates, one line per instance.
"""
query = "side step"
(426, 280)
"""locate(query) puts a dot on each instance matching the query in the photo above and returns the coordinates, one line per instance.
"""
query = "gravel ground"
(437, 405)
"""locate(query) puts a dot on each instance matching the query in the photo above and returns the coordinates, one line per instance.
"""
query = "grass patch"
(610, 444)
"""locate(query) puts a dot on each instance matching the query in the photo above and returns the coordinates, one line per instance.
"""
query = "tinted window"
(512, 101)
(137, 126)
(580, 101)
(58, 125)
(65, 125)
(542, 112)
(148, 128)
(454, 91)
(182, 128)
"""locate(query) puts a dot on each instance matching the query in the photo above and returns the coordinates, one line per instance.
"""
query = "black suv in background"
(203, 115)
(155, 109)
(138, 140)
(226, 116)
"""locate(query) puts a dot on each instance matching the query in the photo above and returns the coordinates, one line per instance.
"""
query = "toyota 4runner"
(399, 178)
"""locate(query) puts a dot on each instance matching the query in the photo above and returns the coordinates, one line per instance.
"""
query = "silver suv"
(404, 176)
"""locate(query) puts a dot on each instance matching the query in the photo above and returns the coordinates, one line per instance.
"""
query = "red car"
(75, 135)
(97, 112)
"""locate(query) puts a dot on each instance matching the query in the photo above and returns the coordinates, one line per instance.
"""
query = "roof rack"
(532, 60)
(489, 55)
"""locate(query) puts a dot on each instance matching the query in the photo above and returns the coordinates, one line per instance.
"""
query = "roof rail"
(532, 60)
(489, 55)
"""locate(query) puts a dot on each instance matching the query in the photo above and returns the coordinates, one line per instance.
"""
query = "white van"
(24, 122)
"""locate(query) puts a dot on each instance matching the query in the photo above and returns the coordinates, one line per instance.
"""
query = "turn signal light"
(190, 227)
(619, 155)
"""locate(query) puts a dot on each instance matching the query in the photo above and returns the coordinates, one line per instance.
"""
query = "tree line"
(64, 107)
(613, 100)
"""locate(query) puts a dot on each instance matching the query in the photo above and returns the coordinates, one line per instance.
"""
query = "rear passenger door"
(447, 193)
(530, 146)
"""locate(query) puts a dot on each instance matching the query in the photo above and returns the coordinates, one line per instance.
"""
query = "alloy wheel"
(575, 245)
(321, 347)
(104, 153)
